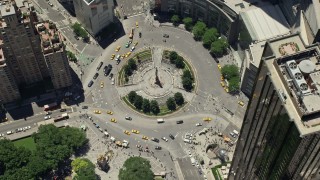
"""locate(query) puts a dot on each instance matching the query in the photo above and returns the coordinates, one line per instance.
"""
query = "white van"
(160, 120)
(9, 132)
(187, 141)
(193, 161)
(236, 132)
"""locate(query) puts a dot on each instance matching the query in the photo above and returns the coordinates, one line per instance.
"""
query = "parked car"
(128, 118)
(179, 122)
(165, 139)
(158, 148)
(95, 76)
(99, 66)
(111, 76)
(90, 83)
(47, 117)
(171, 136)
(63, 110)
(166, 35)
(84, 107)
(155, 139)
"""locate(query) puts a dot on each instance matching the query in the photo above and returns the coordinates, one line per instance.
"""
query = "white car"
(1, 135)
(28, 127)
(132, 48)
(47, 117)
(198, 124)
(112, 81)
(165, 139)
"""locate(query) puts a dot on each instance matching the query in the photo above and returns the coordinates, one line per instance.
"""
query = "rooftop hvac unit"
(298, 75)
(292, 65)
(303, 86)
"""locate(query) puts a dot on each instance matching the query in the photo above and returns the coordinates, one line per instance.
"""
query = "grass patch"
(215, 171)
(163, 109)
(28, 143)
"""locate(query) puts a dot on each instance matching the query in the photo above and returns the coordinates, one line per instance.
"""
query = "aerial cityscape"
(160, 89)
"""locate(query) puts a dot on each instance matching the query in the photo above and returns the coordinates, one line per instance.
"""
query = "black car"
(99, 66)
(84, 107)
(95, 76)
(180, 122)
(90, 83)
(171, 136)
(63, 110)
(155, 139)
(118, 61)
(111, 76)
(166, 35)
(158, 148)
(107, 71)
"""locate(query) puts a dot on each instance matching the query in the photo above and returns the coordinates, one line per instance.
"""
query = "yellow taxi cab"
(207, 119)
(128, 54)
(109, 112)
(135, 131)
(222, 78)
(118, 48)
(112, 56)
(137, 25)
(219, 67)
(145, 137)
(102, 84)
(135, 44)
(241, 103)
(226, 89)
(127, 132)
(97, 112)
(222, 83)
(113, 120)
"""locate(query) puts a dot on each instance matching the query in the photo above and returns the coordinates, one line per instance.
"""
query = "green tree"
(198, 30)
(173, 56)
(56, 144)
(127, 70)
(219, 46)
(79, 31)
(81, 163)
(71, 56)
(187, 74)
(188, 22)
(136, 168)
(178, 97)
(171, 104)
(175, 20)
(230, 71)
(132, 64)
(146, 105)
(209, 37)
(138, 102)
(132, 96)
(187, 84)
(154, 107)
(234, 84)
(84, 169)
(179, 62)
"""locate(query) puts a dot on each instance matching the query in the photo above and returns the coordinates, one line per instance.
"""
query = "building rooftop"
(256, 51)
(265, 22)
(6, 9)
(51, 38)
(295, 72)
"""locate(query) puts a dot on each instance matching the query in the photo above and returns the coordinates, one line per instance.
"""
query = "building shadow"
(69, 7)
(110, 33)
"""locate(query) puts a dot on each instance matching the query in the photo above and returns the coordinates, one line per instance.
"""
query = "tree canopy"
(132, 64)
(173, 56)
(79, 31)
(138, 102)
(154, 107)
(171, 104)
(231, 73)
(179, 62)
(178, 97)
(198, 30)
(219, 46)
(188, 23)
(53, 146)
(146, 105)
(209, 37)
(84, 169)
(132, 96)
(136, 168)
(175, 20)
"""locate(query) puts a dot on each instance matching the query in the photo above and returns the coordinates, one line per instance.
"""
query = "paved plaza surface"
(208, 100)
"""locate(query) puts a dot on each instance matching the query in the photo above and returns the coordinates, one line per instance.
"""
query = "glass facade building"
(279, 139)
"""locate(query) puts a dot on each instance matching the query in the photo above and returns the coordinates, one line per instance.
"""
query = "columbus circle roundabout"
(154, 71)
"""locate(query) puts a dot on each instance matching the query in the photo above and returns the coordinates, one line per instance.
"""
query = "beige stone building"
(30, 51)
(55, 54)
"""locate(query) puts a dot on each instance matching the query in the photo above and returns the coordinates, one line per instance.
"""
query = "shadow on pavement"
(110, 33)
(83, 150)
(69, 7)
(21, 112)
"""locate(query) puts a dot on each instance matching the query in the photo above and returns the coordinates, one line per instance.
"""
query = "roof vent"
(293, 65)
(298, 75)
(303, 86)
(7, 9)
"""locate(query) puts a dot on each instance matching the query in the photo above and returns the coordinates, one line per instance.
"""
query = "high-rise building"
(30, 51)
(280, 135)
(55, 54)
(94, 15)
